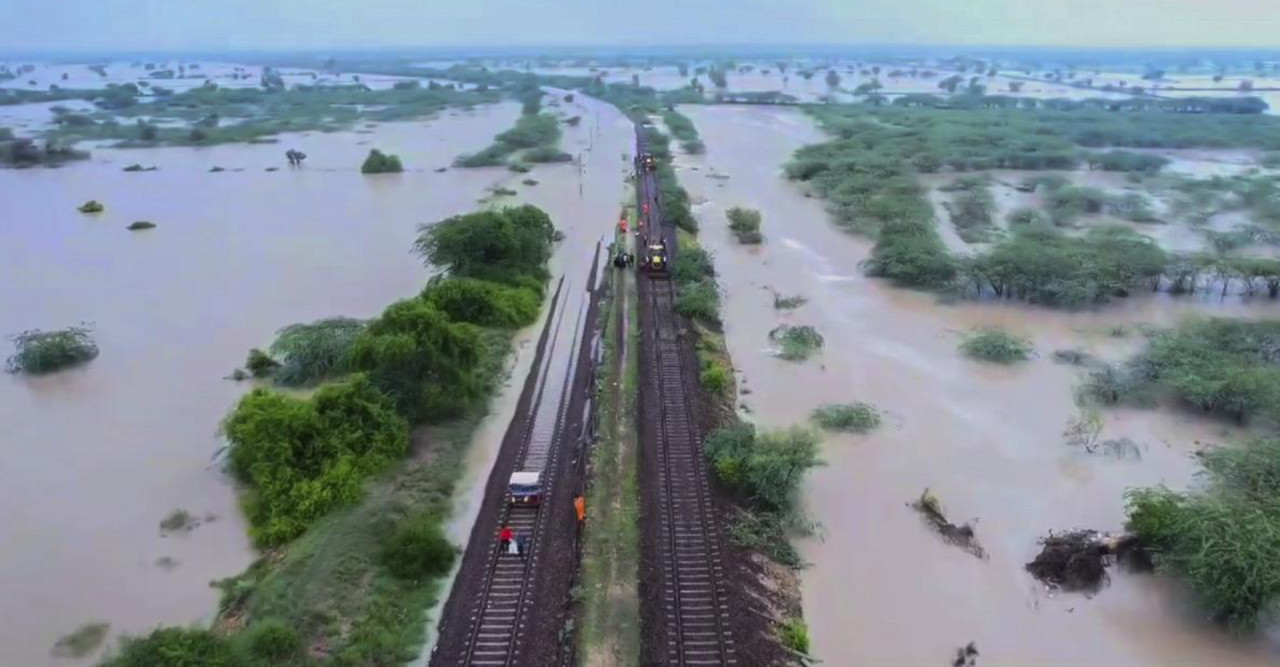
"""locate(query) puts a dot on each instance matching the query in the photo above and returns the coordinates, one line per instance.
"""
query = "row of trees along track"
(685, 617)
(507, 609)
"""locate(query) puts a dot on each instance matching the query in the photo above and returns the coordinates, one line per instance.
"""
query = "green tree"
(381, 163)
(303, 457)
(423, 361)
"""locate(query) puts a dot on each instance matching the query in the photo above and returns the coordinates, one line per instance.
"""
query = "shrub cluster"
(796, 343)
(381, 163)
(309, 353)
(745, 224)
(857, 417)
(766, 467)
(303, 457)
(1224, 541)
(684, 130)
(694, 274)
(1224, 366)
(417, 549)
(37, 352)
(996, 345)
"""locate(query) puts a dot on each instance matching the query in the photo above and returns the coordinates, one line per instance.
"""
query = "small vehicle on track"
(525, 488)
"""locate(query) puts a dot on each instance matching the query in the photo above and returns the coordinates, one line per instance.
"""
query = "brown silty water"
(881, 588)
(95, 457)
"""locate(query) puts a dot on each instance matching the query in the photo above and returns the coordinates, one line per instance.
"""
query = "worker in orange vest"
(580, 506)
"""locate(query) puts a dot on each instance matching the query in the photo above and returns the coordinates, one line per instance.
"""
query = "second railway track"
(694, 618)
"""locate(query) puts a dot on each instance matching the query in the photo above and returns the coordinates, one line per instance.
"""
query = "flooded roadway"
(881, 587)
(95, 457)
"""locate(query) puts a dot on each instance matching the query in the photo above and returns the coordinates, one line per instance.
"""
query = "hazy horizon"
(103, 26)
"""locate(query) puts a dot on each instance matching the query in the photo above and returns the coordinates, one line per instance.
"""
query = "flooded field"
(987, 440)
(176, 76)
(98, 456)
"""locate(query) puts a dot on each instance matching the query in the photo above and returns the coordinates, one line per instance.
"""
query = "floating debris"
(962, 536)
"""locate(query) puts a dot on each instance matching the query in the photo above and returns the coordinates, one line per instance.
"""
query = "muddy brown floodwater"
(95, 457)
(882, 588)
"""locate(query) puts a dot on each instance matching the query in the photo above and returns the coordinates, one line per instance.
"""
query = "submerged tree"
(39, 352)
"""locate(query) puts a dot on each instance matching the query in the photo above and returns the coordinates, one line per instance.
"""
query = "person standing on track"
(505, 536)
(580, 507)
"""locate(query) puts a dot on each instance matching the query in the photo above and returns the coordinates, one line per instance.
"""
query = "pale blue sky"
(266, 24)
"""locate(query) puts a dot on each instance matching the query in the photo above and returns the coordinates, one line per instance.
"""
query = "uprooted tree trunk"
(1078, 560)
(962, 536)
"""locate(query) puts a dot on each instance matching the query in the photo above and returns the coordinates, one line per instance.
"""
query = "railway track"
(498, 611)
(696, 625)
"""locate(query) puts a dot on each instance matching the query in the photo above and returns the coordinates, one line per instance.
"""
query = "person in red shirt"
(505, 536)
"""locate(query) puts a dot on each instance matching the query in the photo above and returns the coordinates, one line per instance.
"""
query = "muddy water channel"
(96, 457)
(987, 440)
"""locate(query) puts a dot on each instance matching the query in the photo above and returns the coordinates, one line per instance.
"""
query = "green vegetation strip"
(868, 174)
(611, 542)
(534, 138)
(353, 525)
(1224, 366)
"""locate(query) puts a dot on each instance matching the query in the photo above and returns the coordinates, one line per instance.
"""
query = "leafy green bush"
(765, 467)
(175, 647)
(272, 639)
(796, 343)
(417, 549)
(717, 378)
(315, 351)
(745, 224)
(546, 154)
(381, 163)
(795, 635)
(692, 265)
(38, 352)
(494, 245)
(423, 361)
(301, 458)
(492, 156)
(260, 364)
(910, 253)
(531, 132)
(483, 303)
(1226, 366)
(854, 417)
(91, 206)
(699, 300)
(1224, 540)
(996, 345)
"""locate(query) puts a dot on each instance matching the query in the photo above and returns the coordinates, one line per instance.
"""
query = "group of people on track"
(518, 545)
